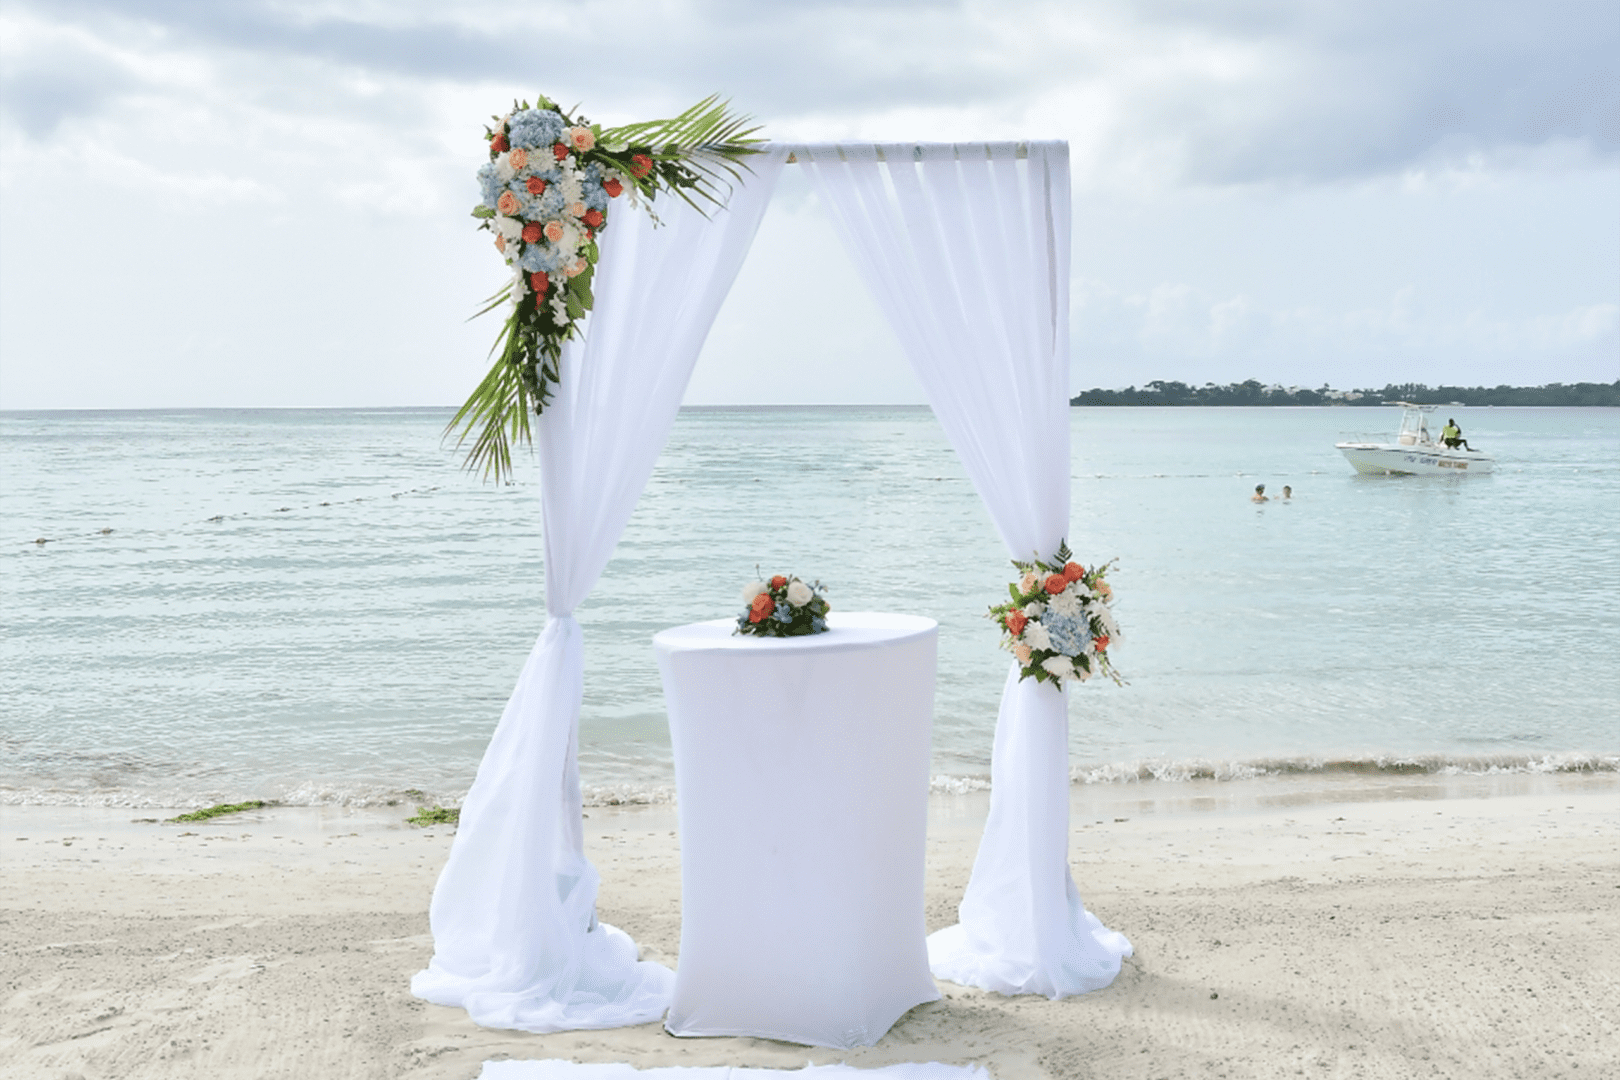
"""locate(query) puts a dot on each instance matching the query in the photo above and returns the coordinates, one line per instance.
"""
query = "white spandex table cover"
(802, 766)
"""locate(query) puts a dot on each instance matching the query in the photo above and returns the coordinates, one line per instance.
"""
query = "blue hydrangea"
(541, 256)
(533, 128)
(595, 197)
(1069, 633)
(489, 183)
(783, 613)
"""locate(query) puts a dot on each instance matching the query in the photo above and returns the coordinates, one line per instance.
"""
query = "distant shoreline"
(1253, 392)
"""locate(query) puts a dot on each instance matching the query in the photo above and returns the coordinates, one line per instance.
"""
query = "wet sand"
(1326, 926)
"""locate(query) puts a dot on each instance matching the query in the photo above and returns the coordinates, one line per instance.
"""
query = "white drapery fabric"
(516, 939)
(966, 248)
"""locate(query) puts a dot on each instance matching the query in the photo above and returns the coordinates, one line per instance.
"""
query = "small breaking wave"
(1181, 771)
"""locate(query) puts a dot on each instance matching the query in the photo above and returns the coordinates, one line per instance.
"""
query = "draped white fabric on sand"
(516, 940)
(568, 1070)
(966, 248)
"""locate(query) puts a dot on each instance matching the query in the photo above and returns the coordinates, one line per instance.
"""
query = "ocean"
(319, 607)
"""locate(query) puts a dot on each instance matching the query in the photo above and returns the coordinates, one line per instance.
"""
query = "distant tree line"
(1253, 392)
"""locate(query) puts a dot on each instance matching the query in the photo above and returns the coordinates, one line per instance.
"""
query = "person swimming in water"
(1259, 494)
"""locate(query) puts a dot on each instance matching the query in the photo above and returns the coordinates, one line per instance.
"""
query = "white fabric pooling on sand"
(568, 1070)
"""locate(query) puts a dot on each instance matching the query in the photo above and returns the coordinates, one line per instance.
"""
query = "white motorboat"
(1414, 451)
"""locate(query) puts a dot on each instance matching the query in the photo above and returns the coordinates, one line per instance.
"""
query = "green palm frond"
(498, 411)
(709, 138)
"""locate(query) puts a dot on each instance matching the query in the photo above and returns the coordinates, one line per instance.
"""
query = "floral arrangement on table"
(1058, 623)
(547, 190)
(783, 607)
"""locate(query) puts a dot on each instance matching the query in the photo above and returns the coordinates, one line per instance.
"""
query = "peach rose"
(1074, 571)
(577, 267)
(508, 203)
(554, 231)
(1028, 582)
(577, 209)
(1056, 584)
(500, 243)
(518, 158)
(582, 138)
(1023, 652)
(1104, 590)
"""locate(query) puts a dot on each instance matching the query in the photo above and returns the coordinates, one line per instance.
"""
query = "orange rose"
(593, 218)
(539, 282)
(778, 581)
(498, 143)
(1016, 621)
(518, 158)
(531, 233)
(1074, 571)
(536, 186)
(559, 151)
(640, 166)
(1101, 641)
(1056, 584)
(612, 187)
(762, 606)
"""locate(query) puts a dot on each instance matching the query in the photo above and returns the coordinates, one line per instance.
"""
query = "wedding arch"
(966, 248)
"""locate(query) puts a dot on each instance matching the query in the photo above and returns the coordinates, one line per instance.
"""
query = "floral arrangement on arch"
(547, 192)
(783, 607)
(1058, 624)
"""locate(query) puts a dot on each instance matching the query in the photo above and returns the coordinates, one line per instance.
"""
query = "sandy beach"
(1321, 926)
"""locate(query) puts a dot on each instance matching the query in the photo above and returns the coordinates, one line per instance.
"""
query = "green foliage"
(1252, 392)
(219, 810)
(435, 815)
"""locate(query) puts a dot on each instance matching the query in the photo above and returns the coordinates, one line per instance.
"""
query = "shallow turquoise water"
(351, 624)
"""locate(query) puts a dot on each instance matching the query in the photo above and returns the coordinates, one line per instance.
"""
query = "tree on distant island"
(1253, 392)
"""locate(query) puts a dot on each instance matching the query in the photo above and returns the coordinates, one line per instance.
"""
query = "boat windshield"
(1415, 424)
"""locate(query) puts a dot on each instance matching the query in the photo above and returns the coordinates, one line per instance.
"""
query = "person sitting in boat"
(1451, 436)
(1259, 494)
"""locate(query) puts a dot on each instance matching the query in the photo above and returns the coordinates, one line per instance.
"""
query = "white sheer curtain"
(516, 940)
(966, 248)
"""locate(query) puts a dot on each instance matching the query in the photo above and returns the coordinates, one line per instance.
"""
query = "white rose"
(509, 227)
(503, 168)
(1034, 609)
(751, 591)
(1065, 603)
(1060, 666)
(798, 593)
(1036, 637)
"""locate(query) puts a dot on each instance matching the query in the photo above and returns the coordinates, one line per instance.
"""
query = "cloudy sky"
(264, 202)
